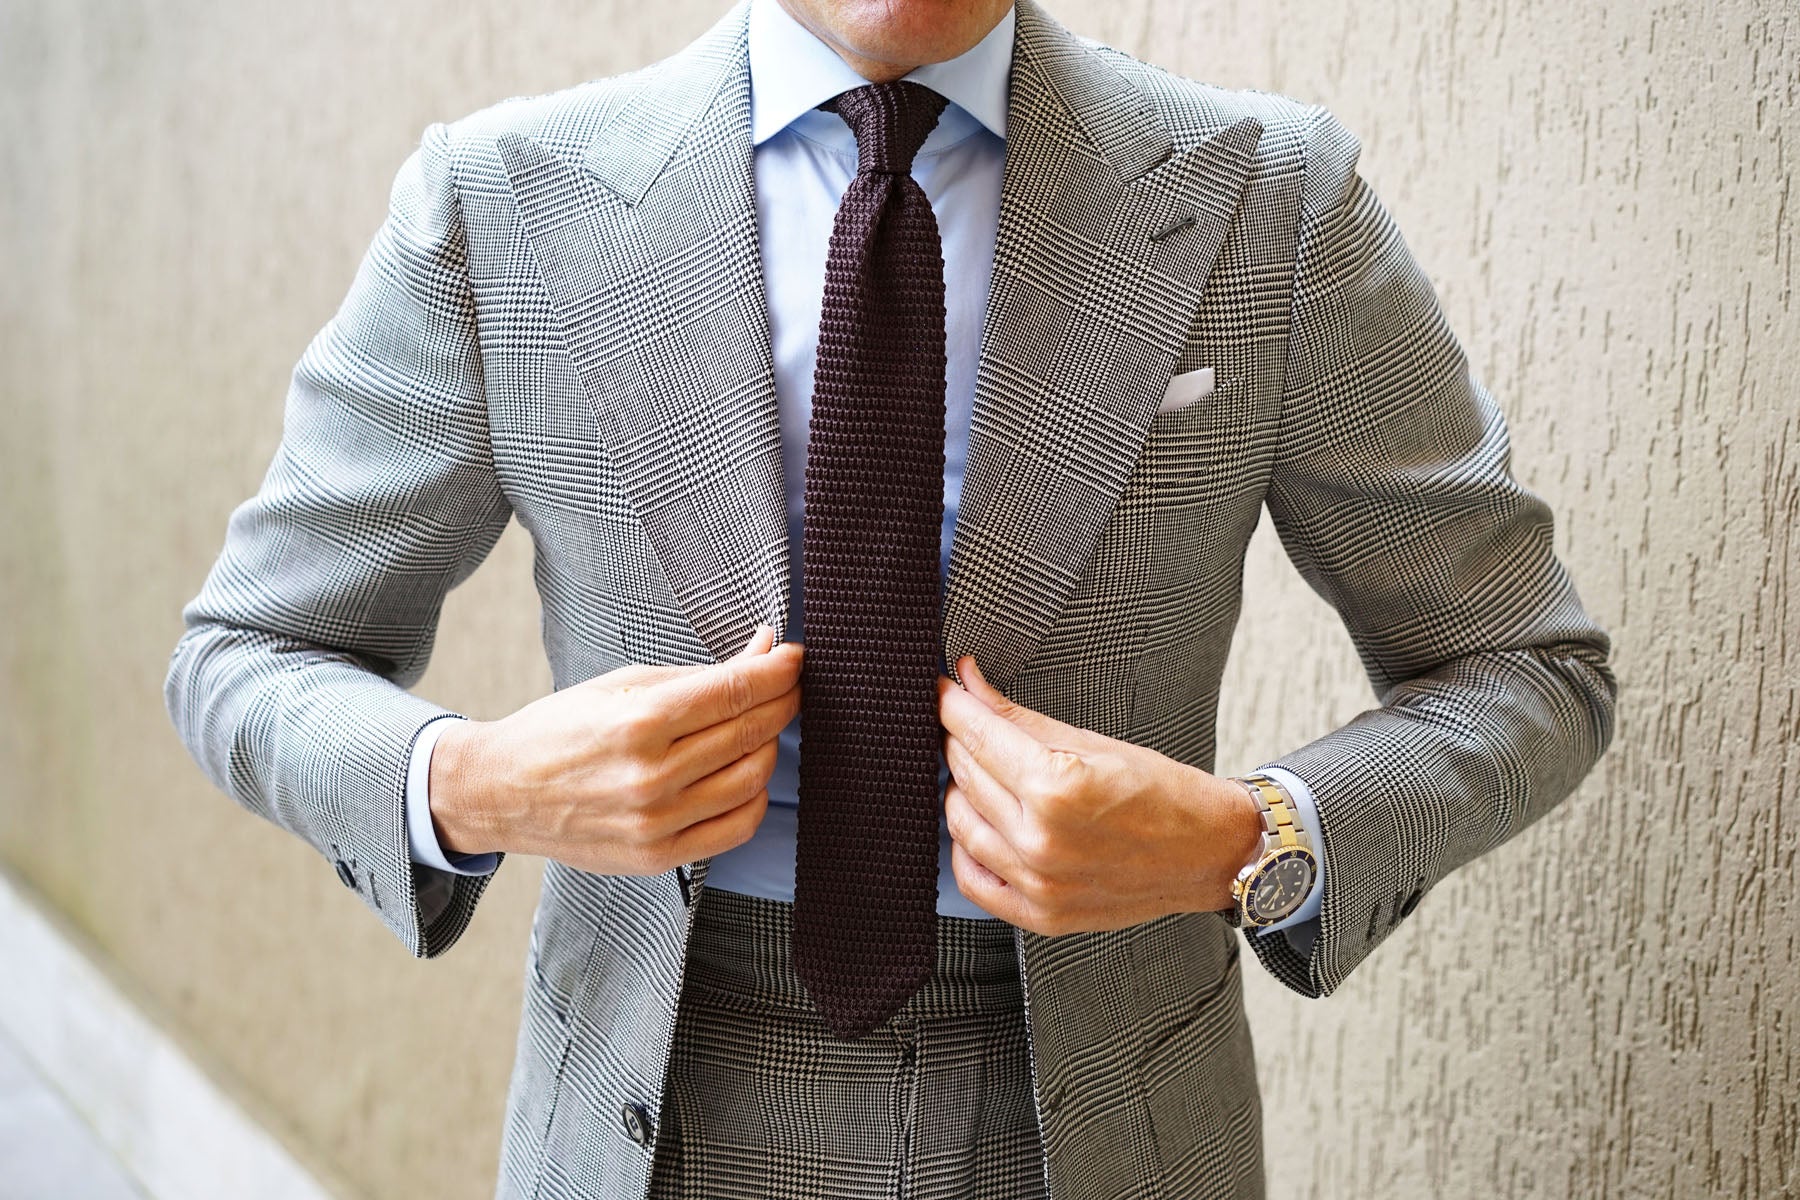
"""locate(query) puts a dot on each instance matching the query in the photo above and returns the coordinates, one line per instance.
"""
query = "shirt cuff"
(421, 838)
(1302, 925)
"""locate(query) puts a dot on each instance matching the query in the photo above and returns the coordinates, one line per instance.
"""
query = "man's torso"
(1146, 231)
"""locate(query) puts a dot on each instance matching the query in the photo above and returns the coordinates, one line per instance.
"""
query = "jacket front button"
(346, 874)
(636, 1120)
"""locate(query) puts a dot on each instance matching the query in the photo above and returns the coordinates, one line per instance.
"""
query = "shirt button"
(346, 874)
(636, 1120)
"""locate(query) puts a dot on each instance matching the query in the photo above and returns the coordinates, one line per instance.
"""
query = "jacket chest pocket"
(1203, 469)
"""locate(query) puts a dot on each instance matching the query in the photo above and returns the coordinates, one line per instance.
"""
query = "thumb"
(1030, 720)
(761, 638)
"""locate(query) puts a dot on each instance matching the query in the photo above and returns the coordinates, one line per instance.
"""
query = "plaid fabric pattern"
(562, 322)
(764, 1102)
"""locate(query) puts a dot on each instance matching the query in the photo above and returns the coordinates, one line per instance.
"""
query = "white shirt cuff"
(421, 836)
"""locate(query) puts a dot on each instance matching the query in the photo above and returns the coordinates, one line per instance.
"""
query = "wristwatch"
(1280, 877)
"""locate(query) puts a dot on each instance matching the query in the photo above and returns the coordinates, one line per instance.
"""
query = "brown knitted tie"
(866, 863)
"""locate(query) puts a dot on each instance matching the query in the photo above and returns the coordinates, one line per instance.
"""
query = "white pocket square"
(1187, 388)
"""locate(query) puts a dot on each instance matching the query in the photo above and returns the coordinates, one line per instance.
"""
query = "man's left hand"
(1058, 829)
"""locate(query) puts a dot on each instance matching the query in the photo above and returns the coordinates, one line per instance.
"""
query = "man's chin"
(901, 34)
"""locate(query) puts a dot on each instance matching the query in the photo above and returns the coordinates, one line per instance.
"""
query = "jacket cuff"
(342, 745)
(1383, 830)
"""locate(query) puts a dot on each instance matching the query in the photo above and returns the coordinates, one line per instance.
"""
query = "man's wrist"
(458, 818)
(1231, 834)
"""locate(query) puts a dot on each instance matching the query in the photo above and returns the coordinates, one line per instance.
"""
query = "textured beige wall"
(1606, 1006)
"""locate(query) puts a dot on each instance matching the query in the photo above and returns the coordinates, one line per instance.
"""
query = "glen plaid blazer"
(562, 321)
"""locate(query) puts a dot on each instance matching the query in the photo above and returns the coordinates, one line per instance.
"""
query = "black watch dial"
(1279, 887)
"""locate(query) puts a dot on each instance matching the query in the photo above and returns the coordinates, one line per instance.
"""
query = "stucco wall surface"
(1605, 1006)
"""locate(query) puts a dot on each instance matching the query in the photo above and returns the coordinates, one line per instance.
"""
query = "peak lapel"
(1107, 234)
(648, 250)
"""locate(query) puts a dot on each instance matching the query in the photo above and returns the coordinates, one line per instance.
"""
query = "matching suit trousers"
(764, 1102)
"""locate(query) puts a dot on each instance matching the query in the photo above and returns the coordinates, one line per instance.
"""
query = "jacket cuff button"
(346, 874)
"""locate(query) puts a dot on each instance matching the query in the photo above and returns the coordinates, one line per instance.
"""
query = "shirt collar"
(793, 72)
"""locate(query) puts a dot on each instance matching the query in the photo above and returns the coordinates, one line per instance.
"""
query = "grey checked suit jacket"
(562, 321)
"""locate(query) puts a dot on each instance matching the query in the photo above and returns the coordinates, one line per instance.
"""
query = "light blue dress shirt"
(804, 159)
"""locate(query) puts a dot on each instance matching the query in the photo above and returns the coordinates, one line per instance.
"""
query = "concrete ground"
(47, 1152)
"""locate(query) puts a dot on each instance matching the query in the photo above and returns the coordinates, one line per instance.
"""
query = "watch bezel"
(1251, 877)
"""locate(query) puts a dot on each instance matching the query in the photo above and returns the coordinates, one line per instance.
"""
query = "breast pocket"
(1186, 390)
(1203, 464)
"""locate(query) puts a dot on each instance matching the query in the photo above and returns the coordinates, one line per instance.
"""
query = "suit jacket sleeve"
(1393, 495)
(289, 683)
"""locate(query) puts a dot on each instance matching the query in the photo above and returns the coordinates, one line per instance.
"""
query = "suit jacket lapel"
(1106, 237)
(647, 242)
(648, 250)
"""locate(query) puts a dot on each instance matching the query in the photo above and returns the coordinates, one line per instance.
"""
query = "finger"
(695, 755)
(969, 828)
(761, 638)
(719, 792)
(1007, 751)
(981, 887)
(724, 690)
(997, 806)
(1041, 726)
(729, 829)
(645, 674)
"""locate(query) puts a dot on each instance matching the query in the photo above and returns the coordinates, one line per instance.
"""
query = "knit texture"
(865, 877)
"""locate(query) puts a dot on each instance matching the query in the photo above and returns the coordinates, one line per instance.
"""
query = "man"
(658, 318)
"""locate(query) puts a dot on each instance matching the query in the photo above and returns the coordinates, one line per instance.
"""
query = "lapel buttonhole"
(1173, 227)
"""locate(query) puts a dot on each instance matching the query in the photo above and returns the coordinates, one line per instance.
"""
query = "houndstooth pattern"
(764, 1102)
(562, 322)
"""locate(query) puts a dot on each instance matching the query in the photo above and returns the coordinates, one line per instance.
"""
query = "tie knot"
(890, 120)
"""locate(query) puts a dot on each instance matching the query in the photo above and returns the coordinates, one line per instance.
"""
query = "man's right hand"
(629, 773)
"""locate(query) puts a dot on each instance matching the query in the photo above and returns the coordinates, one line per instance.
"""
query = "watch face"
(1281, 885)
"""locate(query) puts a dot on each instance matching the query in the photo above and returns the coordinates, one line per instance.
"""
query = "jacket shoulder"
(562, 121)
(1292, 129)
